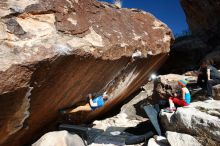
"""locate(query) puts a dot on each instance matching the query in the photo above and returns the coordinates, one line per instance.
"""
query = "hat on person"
(182, 82)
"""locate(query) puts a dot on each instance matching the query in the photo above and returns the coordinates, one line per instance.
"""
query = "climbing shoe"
(62, 111)
(169, 110)
(210, 98)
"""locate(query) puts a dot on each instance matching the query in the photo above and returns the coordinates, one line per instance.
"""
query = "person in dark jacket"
(208, 76)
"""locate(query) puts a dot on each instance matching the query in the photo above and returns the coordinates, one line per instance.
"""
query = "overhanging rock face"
(53, 53)
(203, 17)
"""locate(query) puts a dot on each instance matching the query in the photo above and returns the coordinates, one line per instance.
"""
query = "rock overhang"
(58, 51)
(77, 27)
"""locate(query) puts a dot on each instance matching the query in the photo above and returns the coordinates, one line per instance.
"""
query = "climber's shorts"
(178, 102)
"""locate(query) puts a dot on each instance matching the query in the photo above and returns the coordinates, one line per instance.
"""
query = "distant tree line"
(184, 33)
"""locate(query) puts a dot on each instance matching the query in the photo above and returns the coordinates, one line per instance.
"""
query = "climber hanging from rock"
(137, 54)
(95, 102)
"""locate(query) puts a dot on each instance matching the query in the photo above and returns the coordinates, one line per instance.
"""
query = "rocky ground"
(201, 120)
(195, 125)
(53, 53)
(129, 122)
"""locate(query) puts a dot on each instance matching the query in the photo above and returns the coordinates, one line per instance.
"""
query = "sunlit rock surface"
(180, 139)
(59, 138)
(53, 53)
(158, 141)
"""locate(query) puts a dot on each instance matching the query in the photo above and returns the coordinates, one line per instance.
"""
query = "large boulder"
(53, 53)
(204, 21)
(166, 85)
(200, 119)
(203, 18)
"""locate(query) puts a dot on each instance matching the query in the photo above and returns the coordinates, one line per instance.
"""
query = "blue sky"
(168, 11)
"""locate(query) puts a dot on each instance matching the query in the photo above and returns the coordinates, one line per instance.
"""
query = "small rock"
(154, 142)
(216, 92)
(161, 139)
(59, 138)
